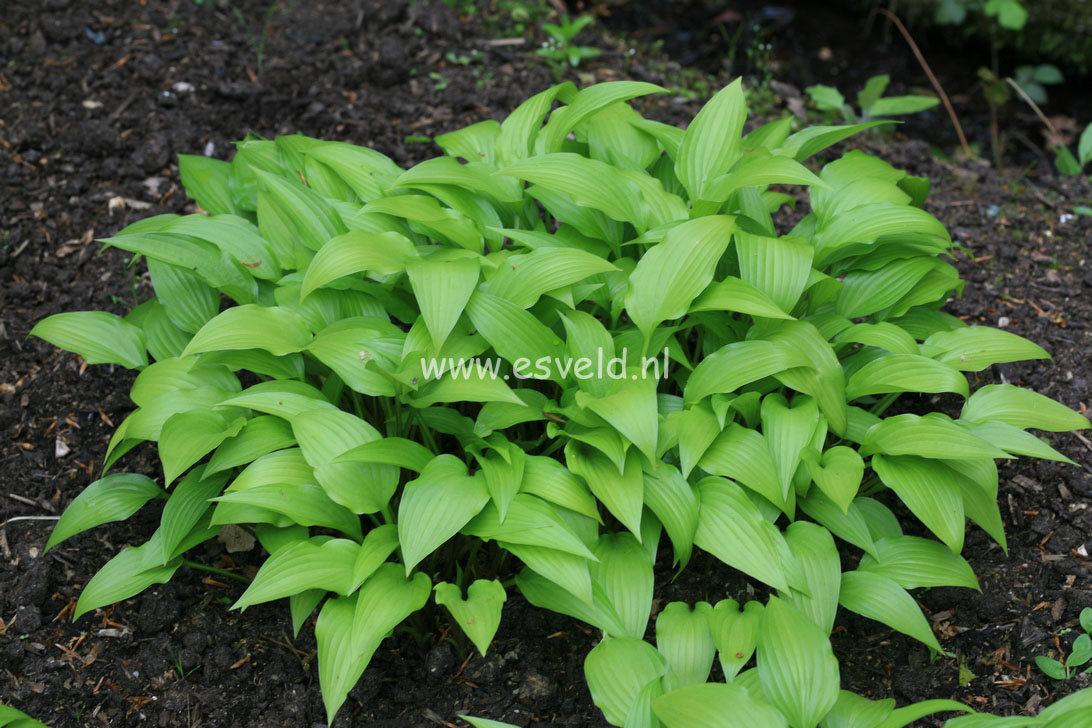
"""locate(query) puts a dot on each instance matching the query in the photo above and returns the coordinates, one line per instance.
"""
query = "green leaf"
(550, 480)
(739, 363)
(731, 528)
(442, 288)
(796, 665)
(208, 181)
(485, 722)
(617, 670)
(479, 614)
(543, 593)
(850, 525)
(111, 498)
(779, 267)
(340, 666)
(518, 131)
(624, 573)
(1086, 619)
(1021, 408)
(621, 492)
(189, 436)
(930, 490)
(878, 597)
(743, 454)
(1009, 13)
(712, 142)
(733, 294)
(530, 521)
(386, 599)
(900, 105)
(814, 139)
(714, 705)
(815, 552)
(583, 105)
(275, 329)
(684, 638)
(307, 505)
(973, 348)
(314, 219)
(913, 562)
(838, 474)
(672, 273)
(1081, 651)
(908, 714)
(301, 566)
(356, 251)
(435, 506)
(905, 373)
(522, 279)
(513, 333)
(826, 98)
(380, 543)
(188, 301)
(670, 496)
(864, 292)
(125, 575)
(932, 436)
(735, 633)
(396, 451)
(631, 410)
(788, 431)
(97, 336)
(1051, 667)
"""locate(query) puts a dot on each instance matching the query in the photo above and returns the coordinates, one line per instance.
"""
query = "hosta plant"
(576, 338)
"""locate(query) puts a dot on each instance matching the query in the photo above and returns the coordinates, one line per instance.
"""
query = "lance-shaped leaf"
(513, 333)
(566, 570)
(672, 273)
(930, 490)
(301, 566)
(853, 711)
(275, 329)
(473, 384)
(734, 294)
(1021, 408)
(905, 373)
(530, 521)
(760, 170)
(113, 497)
(735, 633)
(698, 428)
(123, 576)
(779, 267)
(906, 715)
(878, 597)
(670, 496)
(442, 288)
(208, 181)
(929, 436)
(684, 638)
(621, 492)
(551, 481)
(714, 705)
(260, 436)
(545, 594)
(617, 670)
(380, 543)
(97, 336)
(356, 251)
(396, 451)
(436, 505)
(973, 348)
(524, 278)
(865, 292)
(796, 665)
(913, 562)
(307, 505)
(182, 513)
(743, 455)
(386, 598)
(585, 104)
(732, 528)
(823, 379)
(326, 433)
(739, 363)
(189, 436)
(630, 409)
(187, 300)
(817, 556)
(884, 335)
(624, 572)
(1013, 440)
(713, 141)
(815, 139)
(479, 614)
(850, 524)
(339, 664)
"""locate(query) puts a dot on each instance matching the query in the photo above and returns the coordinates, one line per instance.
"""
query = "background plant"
(871, 102)
(281, 377)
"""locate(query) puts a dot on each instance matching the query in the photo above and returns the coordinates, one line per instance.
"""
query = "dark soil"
(90, 131)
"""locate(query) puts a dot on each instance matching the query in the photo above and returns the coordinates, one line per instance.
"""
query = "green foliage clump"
(288, 373)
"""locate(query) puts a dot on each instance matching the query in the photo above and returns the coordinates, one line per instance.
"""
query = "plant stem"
(214, 570)
(888, 399)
